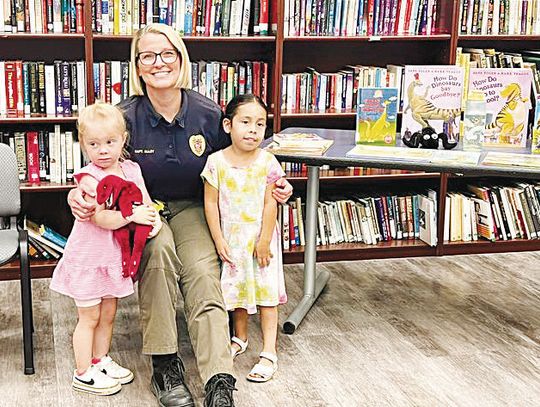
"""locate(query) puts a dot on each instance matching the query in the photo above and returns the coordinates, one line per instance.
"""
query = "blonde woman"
(173, 131)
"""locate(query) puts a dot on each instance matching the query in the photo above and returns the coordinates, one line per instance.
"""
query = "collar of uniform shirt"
(155, 117)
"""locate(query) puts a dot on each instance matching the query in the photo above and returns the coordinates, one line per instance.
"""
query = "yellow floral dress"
(241, 203)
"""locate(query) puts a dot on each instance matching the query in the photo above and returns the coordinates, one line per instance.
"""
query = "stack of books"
(299, 143)
(44, 242)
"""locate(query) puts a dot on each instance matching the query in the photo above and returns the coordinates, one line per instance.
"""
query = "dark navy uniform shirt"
(172, 155)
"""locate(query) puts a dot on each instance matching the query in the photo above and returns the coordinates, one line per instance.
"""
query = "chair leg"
(26, 301)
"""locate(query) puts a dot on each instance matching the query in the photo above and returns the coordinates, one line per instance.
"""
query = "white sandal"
(243, 346)
(262, 373)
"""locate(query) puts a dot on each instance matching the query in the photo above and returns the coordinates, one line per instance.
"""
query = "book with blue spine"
(376, 115)
(52, 235)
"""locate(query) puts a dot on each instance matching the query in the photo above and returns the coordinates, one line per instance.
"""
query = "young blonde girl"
(90, 270)
(241, 214)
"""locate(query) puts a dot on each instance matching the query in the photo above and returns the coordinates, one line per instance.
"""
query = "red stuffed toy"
(124, 195)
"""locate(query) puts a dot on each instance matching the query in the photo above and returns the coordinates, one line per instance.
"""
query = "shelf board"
(48, 36)
(485, 246)
(374, 38)
(499, 38)
(361, 251)
(37, 119)
(46, 186)
(38, 269)
(269, 38)
(315, 114)
(367, 178)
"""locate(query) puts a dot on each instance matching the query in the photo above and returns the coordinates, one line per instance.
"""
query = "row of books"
(219, 81)
(45, 155)
(44, 243)
(493, 212)
(365, 219)
(491, 58)
(360, 17)
(500, 17)
(38, 89)
(293, 169)
(313, 91)
(188, 17)
(41, 16)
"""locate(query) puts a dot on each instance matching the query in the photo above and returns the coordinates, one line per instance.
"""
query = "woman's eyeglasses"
(149, 58)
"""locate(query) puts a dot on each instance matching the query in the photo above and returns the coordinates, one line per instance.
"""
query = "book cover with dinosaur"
(432, 98)
(376, 115)
(507, 104)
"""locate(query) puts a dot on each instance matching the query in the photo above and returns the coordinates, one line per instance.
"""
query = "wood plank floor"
(452, 331)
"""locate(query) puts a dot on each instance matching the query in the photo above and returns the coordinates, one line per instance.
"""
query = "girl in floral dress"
(241, 214)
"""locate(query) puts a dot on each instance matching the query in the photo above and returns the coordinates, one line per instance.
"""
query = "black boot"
(168, 385)
(219, 391)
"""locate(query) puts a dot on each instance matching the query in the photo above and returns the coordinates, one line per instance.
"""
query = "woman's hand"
(283, 190)
(144, 215)
(223, 251)
(262, 252)
(157, 227)
(82, 209)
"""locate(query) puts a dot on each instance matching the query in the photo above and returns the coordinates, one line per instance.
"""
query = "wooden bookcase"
(284, 55)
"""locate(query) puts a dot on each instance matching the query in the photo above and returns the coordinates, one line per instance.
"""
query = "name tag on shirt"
(144, 151)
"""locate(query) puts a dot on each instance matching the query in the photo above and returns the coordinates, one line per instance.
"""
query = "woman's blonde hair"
(184, 78)
(106, 115)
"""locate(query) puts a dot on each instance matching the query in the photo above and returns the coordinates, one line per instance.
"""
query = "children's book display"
(299, 143)
(376, 116)
(535, 145)
(432, 105)
(508, 103)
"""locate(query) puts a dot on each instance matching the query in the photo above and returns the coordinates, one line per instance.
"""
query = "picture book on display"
(535, 146)
(376, 115)
(432, 98)
(507, 104)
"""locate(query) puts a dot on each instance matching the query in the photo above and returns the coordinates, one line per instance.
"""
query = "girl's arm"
(283, 190)
(262, 250)
(211, 210)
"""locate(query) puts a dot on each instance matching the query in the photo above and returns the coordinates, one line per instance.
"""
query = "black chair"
(13, 242)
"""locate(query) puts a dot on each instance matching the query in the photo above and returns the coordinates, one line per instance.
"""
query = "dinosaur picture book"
(376, 115)
(432, 98)
(535, 145)
(508, 103)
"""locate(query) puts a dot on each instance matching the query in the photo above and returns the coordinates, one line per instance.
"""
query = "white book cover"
(432, 98)
(105, 21)
(285, 227)
(466, 225)
(81, 84)
(53, 157)
(57, 16)
(31, 10)
(63, 158)
(447, 204)
(245, 17)
(50, 90)
(76, 156)
(69, 155)
(427, 220)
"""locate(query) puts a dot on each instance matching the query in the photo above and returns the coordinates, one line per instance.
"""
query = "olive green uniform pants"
(183, 256)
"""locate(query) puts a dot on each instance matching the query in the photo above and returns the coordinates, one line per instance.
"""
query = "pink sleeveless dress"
(91, 266)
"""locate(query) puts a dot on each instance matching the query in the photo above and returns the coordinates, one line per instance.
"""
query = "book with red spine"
(32, 157)
(11, 88)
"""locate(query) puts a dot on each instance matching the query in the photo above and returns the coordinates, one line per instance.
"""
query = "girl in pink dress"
(90, 270)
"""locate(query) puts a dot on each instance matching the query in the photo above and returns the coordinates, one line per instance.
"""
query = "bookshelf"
(284, 54)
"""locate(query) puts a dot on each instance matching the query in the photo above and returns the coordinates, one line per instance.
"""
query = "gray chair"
(13, 242)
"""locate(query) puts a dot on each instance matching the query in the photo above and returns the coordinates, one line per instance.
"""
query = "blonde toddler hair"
(184, 78)
(105, 114)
